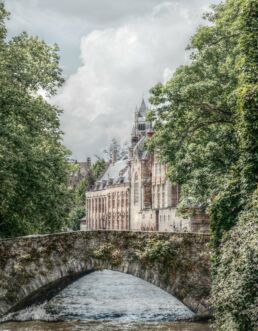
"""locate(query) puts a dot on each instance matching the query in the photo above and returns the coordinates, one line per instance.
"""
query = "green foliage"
(206, 129)
(76, 213)
(81, 189)
(77, 210)
(206, 115)
(98, 168)
(3, 15)
(159, 250)
(104, 251)
(235, 287)
(34, 197)
(109, 252)
(225, 209)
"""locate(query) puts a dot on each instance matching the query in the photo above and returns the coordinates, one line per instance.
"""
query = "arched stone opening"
(49, 290)
(32, 265)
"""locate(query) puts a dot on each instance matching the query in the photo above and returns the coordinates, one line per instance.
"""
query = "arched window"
(136, 189)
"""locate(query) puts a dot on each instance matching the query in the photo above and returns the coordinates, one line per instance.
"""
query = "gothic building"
(136, 194)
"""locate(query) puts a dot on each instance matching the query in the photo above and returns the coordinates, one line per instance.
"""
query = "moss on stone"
(177, 263)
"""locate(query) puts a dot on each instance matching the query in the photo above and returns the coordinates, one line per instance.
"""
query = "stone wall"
(32, 267)
(169, 220)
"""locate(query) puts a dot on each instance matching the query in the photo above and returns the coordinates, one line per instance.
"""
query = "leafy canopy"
(206, 129)
(205, 119)
(33, 170)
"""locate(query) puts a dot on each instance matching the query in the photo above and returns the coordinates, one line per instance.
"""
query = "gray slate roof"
(116, 173)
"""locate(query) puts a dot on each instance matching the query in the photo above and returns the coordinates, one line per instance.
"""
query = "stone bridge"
(34, 268)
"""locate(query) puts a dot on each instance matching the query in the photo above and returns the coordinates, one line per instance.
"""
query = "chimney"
(114, 156)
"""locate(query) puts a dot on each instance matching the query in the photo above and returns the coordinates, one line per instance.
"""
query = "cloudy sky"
(112, 53)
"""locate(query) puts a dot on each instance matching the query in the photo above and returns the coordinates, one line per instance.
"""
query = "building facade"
(136, 194)
(107, 204)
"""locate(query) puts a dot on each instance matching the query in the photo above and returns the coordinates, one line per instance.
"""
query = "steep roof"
(117, 171)
(143, 108)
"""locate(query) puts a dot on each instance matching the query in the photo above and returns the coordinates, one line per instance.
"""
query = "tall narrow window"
(136, 189)
(158, 196)
(163, 195)
(113, 200)
(153, 196)
(118, 199)
(109, 200)
(175, 195)
(122, 199)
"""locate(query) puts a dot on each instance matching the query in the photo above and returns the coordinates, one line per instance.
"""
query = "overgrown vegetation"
(206, 129)
(159, 250)
(78, 209)
(236, 285)
(34, 197)
(110, 253)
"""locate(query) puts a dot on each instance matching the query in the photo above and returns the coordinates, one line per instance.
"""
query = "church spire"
(143, 107)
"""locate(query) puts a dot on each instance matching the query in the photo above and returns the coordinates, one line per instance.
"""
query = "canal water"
(106, 301)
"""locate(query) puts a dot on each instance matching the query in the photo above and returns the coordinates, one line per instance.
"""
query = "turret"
(140, 125)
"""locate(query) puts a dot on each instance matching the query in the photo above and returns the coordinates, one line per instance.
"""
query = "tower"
(140, 125)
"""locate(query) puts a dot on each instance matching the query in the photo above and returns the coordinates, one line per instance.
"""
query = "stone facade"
(136, 194)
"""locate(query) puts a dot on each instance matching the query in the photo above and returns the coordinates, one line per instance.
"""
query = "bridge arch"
(176, 262)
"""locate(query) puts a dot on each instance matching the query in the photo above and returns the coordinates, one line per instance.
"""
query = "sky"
(112, 53)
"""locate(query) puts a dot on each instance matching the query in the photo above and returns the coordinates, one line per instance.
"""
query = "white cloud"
(118, 65)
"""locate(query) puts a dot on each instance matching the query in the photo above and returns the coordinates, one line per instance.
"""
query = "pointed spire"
(143, 107)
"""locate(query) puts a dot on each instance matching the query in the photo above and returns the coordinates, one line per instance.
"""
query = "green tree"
(97, 169)
(78, 209)
(34, 197)
(236, 284)
(205, 116)
(206, 129)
